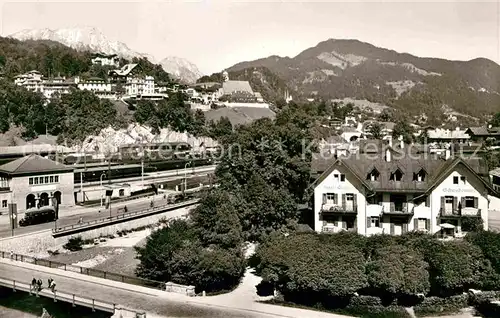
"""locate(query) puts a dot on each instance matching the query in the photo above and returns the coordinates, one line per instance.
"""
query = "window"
(421, 224)
(373, 175)
(121, 192)
(51, 179)
(470, 202)
(419, 176)
(4, 203)
(331, 198)
(455, 180)
(463, 179)
(36, 180)
(56, 179)
(46, 179)
(375, 221)
(448, 200)
(396, 175)
(349, 197)
(336, 177)
(342, 178)
(31, 181)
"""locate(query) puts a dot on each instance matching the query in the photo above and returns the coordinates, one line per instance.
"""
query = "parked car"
(38, 216)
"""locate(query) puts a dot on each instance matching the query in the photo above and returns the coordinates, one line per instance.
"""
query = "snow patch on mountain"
(412, 68)
(340, 60)
(181, 69)
(81, 38)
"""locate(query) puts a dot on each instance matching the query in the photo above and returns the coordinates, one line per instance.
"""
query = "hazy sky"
(216, 34)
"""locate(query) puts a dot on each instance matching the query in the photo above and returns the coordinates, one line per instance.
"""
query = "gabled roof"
(231, 87)
(125, 70)
(32, 164)
(435, 167)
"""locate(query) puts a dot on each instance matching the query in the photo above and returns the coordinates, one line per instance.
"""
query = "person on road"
(151, 204)
(125, 209)
(39, 283)
(80, 220)
(33, 284)
(11, 255)
(49, 281)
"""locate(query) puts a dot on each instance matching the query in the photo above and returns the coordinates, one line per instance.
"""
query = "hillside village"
(306, 187)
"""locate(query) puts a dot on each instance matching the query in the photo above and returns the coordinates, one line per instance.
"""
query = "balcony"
(339, 209)
(458, 213)
(331, 229)
(399, 209)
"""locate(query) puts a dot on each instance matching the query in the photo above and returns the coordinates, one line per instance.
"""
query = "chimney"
(447, 154)
(388, 155)
(390, 142)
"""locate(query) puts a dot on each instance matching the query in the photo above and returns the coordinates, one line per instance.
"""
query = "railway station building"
(34, 181)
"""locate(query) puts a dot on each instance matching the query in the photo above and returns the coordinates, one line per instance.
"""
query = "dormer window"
(373, 175)
(419, 176)
(396, 175)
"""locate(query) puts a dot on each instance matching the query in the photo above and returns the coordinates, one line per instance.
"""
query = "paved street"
(87, 214)
(157, 302)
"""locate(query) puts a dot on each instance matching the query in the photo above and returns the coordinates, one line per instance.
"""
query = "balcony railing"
(444, 212)
(403, 209)
(336, 229)
(339, 208)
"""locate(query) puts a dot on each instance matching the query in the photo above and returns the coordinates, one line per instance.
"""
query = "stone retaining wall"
(180, 289)
(41, 242)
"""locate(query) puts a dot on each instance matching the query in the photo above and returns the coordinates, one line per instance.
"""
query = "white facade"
(140, 86)
(343, 202)
(103, 59)
(32, 81)
(95, 85)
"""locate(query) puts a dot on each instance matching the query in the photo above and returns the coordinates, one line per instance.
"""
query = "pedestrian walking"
(80, 220)
(53, 287)
(125, 209)
(33, 284)
(39, 283)
(49, 281)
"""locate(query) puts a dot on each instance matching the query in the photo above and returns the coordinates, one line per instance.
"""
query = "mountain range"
(354, 69)
(92, 39)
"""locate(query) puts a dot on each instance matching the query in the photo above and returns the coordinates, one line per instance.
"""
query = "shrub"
(472, 224)
(440, 306)
(74, 244)
(369, 306)
(489, 243)
(485, 296)
(397, 269)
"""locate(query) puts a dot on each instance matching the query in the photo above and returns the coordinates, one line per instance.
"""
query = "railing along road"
(84, 270)
(126, 215)
(75, 300)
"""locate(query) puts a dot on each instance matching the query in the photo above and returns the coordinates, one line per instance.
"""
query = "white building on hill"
(105, 59)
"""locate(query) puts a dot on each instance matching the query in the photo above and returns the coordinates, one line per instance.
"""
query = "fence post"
(104, 275)
(55, 297)
(50, 264)
(93, 305)
(64, 266)
(14, 286)
(73, 304)
(22, 258)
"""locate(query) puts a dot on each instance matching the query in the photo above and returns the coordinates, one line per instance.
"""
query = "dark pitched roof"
(32, 164)
(362, 165)
(240, 115)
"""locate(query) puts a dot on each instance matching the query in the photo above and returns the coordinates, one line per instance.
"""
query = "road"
(173, 306)
(89, 214)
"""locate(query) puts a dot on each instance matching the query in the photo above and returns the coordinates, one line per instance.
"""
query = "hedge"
(482, 303)
(371, 307)
(436, 305)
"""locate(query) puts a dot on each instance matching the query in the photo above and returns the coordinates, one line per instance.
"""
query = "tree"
(198, 125)
(403, 128)
(495, 121)
(376, 130)
(145, 112)
(456, 266)
(301, 267)
(221, 128)
(265, 209)
(387, 115)
(396, 269)
(216, 220)
(157, 256)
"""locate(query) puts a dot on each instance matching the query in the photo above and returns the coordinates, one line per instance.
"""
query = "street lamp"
(101, 186)
(185, 175)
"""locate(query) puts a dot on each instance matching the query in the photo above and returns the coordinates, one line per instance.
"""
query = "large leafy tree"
(216, 220)
(397, 269)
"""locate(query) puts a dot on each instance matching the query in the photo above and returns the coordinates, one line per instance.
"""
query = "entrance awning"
(447, 226)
